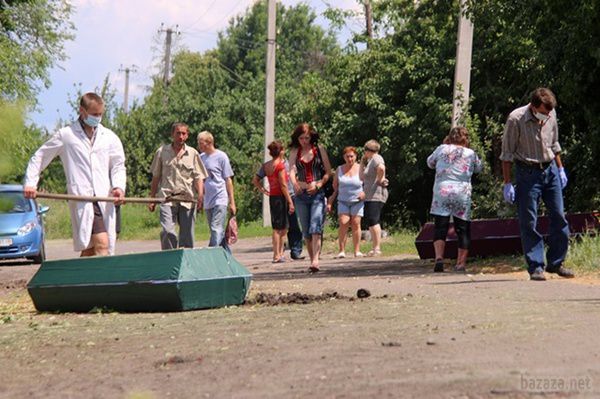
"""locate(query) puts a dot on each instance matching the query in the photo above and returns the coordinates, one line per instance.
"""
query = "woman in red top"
(309, 171)
(280, 201)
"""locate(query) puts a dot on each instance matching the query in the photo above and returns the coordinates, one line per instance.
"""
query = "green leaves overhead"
(32, 34)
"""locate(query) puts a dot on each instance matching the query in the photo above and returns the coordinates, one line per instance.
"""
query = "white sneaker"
(340, 255)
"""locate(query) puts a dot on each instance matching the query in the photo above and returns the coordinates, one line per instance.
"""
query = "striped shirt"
(526, 140)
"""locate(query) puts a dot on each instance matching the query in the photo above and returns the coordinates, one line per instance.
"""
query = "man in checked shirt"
(530, 141)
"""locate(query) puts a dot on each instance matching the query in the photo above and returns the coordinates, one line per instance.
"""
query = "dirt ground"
(418, 335)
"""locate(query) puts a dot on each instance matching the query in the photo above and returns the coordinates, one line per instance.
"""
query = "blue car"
(21, 225)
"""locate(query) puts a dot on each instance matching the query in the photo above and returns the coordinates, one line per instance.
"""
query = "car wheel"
(39, 258)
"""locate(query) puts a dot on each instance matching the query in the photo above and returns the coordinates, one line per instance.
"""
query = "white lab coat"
(90, 170)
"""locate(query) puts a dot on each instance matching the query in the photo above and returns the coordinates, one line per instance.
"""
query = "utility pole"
(269, 96)
(132, 68)
(168, 42)
(462, 71)
(369, 18)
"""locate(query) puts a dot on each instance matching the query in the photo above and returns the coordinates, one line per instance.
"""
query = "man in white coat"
(94, 165)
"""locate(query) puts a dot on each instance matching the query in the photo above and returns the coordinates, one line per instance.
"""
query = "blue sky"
(114, 34)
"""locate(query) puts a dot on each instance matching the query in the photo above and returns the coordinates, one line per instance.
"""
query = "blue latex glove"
(509, 193)
(563, 177)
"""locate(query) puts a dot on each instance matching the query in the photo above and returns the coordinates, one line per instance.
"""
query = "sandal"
(460, 268)
(374, 252)
(439, 266)
(340, 255)
(359, 254)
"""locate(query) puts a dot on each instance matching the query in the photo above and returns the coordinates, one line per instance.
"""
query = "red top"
(308, 166)
(274, 186)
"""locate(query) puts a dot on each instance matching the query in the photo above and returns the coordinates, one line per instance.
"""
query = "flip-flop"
(313, 269)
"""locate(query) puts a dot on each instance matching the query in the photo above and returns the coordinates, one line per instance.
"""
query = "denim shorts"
(311, 212)
(350, 208)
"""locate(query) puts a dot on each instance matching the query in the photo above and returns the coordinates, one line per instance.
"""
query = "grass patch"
(584, 255)
(398, 243)
(137, 223)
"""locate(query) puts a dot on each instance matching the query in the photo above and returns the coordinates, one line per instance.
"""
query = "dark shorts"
(98, 225)
(279, 212)
(373, 212)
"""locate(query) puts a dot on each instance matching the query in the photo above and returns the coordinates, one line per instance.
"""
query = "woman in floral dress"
(454, 163)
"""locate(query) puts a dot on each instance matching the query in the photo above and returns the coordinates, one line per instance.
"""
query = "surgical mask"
(541, 117)
(92, 120)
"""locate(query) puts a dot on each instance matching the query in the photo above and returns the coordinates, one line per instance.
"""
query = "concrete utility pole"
(462, 71)
(132, 68)
(369, 18)
(269, 96)
(168, 42)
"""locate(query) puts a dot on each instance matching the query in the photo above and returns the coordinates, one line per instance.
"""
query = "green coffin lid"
(180, 279)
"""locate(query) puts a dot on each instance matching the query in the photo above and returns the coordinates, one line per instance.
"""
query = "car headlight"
(26, 228)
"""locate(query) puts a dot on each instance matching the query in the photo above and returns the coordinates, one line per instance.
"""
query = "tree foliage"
(223, 91)
(32, 34)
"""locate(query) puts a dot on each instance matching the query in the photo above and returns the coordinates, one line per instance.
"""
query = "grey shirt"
(525, 139)
(373, 191)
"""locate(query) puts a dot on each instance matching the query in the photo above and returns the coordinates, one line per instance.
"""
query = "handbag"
(231, 231)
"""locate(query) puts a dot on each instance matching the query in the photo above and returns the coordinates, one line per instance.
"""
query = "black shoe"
(562, 271)
(537, 275)
(297, 257)
(439, 266)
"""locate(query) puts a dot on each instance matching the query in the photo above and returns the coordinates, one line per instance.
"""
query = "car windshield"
(14, 202)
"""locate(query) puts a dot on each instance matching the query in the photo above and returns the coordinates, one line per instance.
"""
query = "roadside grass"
(397, 243)
(137, 223)
(584, 255)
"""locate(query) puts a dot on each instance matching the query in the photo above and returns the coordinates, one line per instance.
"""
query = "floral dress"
(454, 165)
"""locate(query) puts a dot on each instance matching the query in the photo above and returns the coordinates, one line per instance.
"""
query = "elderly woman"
(454, 163)
(348, 188)
(372, 172)
(309, 171)
(280, 201)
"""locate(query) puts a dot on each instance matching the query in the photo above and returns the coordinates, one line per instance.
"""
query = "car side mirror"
(43, 209)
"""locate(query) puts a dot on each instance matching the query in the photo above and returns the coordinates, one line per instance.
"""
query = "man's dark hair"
(177, 125)
(89, 98)
(542, 95)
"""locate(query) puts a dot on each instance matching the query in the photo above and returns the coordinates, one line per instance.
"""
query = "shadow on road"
(358, 268)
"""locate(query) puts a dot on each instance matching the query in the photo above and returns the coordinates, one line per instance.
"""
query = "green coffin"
(180, 279)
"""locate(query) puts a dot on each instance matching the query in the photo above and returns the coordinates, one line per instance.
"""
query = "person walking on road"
(454, 163)
(218, 189)
(177, 169)
(372, 173)
(94, 165)
(530, 142)
(309, 171)
(348, 188)
(280, 201)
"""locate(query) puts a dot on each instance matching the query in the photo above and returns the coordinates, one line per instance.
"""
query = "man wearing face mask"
(530, 141)
(94, 165)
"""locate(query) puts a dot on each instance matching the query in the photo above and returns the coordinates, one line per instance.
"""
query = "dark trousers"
(533, 185)
(294, 235)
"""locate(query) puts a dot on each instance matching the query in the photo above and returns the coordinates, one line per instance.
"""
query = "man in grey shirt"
(177, 169)
(530, 141)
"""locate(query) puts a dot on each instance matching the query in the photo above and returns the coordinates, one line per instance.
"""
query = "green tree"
(32, 33)
(223, 91)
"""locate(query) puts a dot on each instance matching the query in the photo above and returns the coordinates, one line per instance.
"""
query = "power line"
(226, 16)
(203, 14)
